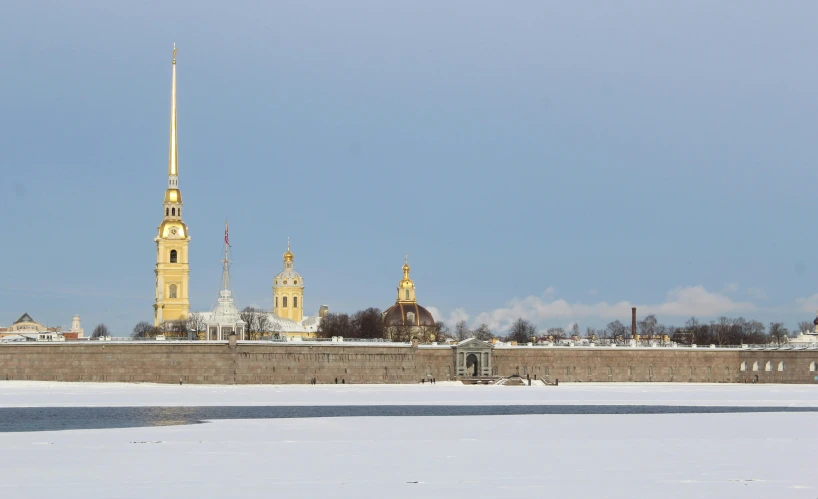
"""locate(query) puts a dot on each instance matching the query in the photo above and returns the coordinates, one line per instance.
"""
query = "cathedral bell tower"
(172, 269)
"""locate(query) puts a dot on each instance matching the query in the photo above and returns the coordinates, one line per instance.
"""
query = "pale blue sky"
(534, 158)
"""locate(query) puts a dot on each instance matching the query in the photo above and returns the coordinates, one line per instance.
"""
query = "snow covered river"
(643, 440)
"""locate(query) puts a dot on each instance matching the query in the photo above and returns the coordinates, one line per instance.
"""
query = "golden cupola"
(406, 311)
(288, 255)
(406, 287)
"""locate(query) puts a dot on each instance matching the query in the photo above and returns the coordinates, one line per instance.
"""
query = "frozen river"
(618, 451)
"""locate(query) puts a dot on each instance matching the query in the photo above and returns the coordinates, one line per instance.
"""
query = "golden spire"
(173, 153)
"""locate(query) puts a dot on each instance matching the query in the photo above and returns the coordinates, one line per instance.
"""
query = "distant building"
(26, 325)
(27, 329)
(406, 318)
(225, 319)
(76, 332)
(807, 336)
(287, 320)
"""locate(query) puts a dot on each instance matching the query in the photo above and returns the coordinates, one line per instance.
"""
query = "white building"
(226, 317)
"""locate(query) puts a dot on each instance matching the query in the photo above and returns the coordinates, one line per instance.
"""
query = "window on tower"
(284, 301)
(167, 211)
(173, 256)
(276, 302)
(172, 291)
(407, 294)
(173, 211)
(295, 302)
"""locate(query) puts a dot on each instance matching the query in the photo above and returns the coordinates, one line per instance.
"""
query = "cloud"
(455, 316)
(808, 304)
(541, 310)
(593, 291)
(756, 293)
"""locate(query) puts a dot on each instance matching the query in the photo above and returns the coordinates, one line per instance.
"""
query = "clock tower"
(172, 269)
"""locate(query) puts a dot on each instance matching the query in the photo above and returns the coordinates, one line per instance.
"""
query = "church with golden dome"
(172, 303)
(288, 291)
(406, 312)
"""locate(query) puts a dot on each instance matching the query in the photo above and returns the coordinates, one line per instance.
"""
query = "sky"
(555, 161)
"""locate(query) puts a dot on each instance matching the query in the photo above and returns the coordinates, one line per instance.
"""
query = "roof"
(24, 318)
(474, 343)
(398, 315)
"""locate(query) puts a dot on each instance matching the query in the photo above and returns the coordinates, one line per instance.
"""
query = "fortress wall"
(434, 362)
(299, 364)
(655, 364)
(276, 363)
(102, 361)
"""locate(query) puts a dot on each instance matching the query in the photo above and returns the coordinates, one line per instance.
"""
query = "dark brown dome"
(815, 321)
(407, 314)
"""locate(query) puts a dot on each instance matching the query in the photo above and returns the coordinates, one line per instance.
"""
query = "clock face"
(173, 231)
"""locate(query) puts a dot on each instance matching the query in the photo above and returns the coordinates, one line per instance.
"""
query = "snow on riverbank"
(596, 456)
(600, 456)
(55, 394)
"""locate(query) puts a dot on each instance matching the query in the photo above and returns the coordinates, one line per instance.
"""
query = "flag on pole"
(226, 234)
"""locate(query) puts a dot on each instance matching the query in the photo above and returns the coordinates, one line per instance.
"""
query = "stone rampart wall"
(658, 364)
(261, 363)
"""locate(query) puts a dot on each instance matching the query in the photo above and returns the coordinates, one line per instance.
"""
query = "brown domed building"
(406, 317)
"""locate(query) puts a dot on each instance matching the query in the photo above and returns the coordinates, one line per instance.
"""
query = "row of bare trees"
(257, 325)
(369, 323)
(722, 331)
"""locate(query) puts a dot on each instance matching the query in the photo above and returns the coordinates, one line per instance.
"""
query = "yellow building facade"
(172, 301)
(288, 291)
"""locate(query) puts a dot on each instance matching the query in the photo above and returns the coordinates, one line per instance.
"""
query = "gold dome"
(288, 256)
(173, 196)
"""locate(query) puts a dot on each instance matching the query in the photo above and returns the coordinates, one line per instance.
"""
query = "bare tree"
(647, 326)
(590, 333)
(575, 330)
(144, 329)
(336, 324)
(257, 322)
(195, 325)
(175, 329)
(483, 333)
(804, 326)
(368, 323)
(557, 333)
(402, 332)
(522, 331)
(441, 331)
(100, 331)
(461, 331)
(615, 329)
(778, 333)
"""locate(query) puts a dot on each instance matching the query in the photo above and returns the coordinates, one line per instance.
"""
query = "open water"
(21, 419)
